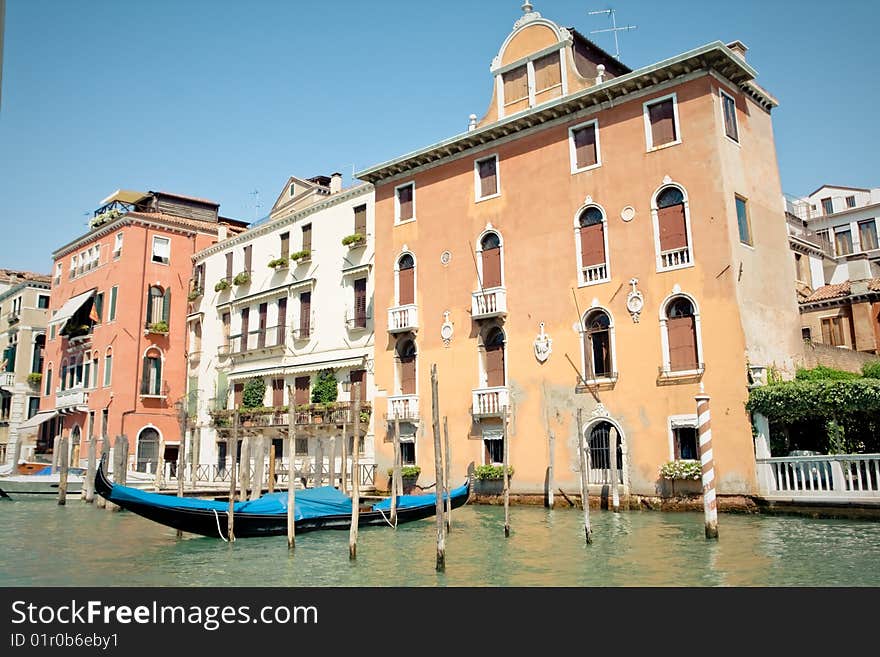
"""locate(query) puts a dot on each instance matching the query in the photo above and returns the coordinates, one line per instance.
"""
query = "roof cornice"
(714, 56)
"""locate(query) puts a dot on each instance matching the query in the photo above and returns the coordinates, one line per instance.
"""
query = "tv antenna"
(614, 28)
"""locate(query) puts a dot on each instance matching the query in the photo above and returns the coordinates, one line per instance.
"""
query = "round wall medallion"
(628, 213)
(445, 258)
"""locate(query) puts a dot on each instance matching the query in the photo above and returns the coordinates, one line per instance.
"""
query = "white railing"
(490, 302)
(68, 398)
(403, 318)
(595, 273)
(403, 407)
(490, 401)
(7, 379)
(840, 477)
(675, 257)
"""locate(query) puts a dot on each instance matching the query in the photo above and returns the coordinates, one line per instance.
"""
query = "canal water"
(42, 544)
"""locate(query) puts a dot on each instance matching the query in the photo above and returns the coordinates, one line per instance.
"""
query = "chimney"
(335, 183)
(858, 269)
(600, 73)
(739, 49)
(221, 232)
(472, 122)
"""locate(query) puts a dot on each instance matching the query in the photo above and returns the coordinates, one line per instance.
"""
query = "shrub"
(242, 278)
(325, 389)
(484, 472)
(681, 470)
(871, 369)
(194, 294)
(822, 373)
(278, 263)
(34, 378)
(253, 393)
(301, 255)
(221, 285)
(802, 401)
(355, 239)
(407, 471)
(158, 327)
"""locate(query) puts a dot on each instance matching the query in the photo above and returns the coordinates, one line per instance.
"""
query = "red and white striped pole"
(704, 430)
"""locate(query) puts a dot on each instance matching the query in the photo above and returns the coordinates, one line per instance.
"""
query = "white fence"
(829, 478)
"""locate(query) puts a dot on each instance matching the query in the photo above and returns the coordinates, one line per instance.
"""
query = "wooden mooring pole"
(395, 472)
(585, 490)
(259, 447)
(505, 466)
(704, 431)
(89, 488)
(343, 474)
(291, 468)
(551, 462)
(447, 475)
(331, 461)
(181, 454)
(244, 467)
(63, 467)
(159, 477)
(355, 473)
(232, 447)
(438, 471)
(271, 482)
(612, 457)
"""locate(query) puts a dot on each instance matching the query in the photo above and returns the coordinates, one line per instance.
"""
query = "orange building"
(115, 360)
(626, 221)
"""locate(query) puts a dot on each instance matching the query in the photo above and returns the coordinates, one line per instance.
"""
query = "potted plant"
(34, 378)
(354, 240)
(301, 256)
(194, 294)
(278, 263)
(158, 327)
(409, 475)
(688, 471)
(242, 278)
(222, 284)
(490, 478)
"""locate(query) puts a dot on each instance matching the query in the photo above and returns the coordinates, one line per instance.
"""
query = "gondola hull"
(213, 522)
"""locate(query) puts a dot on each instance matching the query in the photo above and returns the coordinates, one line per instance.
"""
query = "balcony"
(270, 338)
(12, 317)
(404, 408)
(303, 333)
(71, 398)
(490, 402)
(7, 380)
(320, 415)
(491, 302)
(403, 318)
(595, 273)
(674, 258)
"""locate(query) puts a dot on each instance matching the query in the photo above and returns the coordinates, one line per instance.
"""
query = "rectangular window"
(360, 303)
(360, 220)
(850, 201)
(516, 85)
(105, 422)
(742, 220)
(94, 372)
(117, 245)
(661, 122)
(486, 177)
(494, 451)
(307, 238)
(302, 446)
(108, 369)
(43, 301)
(248, 252)
(91, 433)
(548, 73)
(824, 239)
(807, 333)
(832, 331)
(285, 245)
(48, 382)
(583, 142)
(277, 392)
(113, 293)
(229, 273)
(405, 202)
(827, 206)
(843, 241)
(868, 234)
(729, 106)
(33, 406)
(98, 308)
(281, 335)
(407, 452)
(161, 250)
(685, 443)
(58, 269)
(305, 315)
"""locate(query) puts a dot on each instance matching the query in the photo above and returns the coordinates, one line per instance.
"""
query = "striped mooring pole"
(704, 430)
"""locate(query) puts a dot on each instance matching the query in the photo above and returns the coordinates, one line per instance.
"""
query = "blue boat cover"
(310, 503)
(413, 501)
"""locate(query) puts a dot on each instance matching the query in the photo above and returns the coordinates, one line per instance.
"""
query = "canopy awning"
(70, 307)
(37, 420)
(124, 196)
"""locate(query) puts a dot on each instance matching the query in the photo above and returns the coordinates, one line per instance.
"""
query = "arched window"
(108, 366)
(494, 358)
(680, 326)
(672, 228)
(590, 239)
(598, 345)
(151, 377)
(39, 347)
(406, 355)
(63, 378)
(490, 257)
(147, 450)
(599, 441)
(158, 305)
(406, 280)
(48, 388)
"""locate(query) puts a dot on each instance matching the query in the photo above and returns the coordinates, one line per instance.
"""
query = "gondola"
(316, 508)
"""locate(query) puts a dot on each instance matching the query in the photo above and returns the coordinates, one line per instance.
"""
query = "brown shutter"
(488, 177)
(408, 375)
(301, 390)
(662, 123)
(360, 220)
(593, 245)
(245, 327)
(406, 286)
(248, 251)
(492, 267)
(547, 72)
(360, 302)
(673, 234)
(237, 392)
(281, 335)
(307, 237)
(682, 335)
(305, 314)
(405, 202)
(261, 336)
(277, 392)
(229, 265)
(585, 146)
(516, 84)
(495, 365)
(359, 376)
(285, 245)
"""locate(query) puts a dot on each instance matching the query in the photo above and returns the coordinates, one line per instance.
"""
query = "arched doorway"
(147, 450)
(599, 440)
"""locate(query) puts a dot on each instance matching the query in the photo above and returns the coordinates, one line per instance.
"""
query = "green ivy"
(325, 389)
(822, 373)
(253, 393)
(805, 400)
(871, 369)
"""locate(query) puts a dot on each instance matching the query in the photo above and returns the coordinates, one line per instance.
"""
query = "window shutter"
(592, 245)
(149, 306)
(516, 85)
(166, 306)
(113, 292)
(405, 202)
(248, 251)
(360, 302)
(237, 393)
(406, 286)
(488, 177)
(495, 366)
(277, 392)
(229, 265)
(281, 338)
(492, 267)
(285, 245)
(307, 237)
(360, 220)
(547, 72)
(673, 233)
(408, 375)
(359, 376)
(585, 146)
(305, 313)
(245, 328)
(682, 335)
(145, 377)
(261, 336)
(157, 376)
(662, 119)
(301, 392)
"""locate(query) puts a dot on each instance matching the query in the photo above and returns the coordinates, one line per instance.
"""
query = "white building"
(283, 302)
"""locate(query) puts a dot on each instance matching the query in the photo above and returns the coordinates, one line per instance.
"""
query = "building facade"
(24, 303)
(115, 360)
(603, 239)
(286, 303)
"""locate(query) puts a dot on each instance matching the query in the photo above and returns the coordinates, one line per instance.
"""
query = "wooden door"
(682, 334)
(495, 365)
(301, 390)
(492, 267)
(406, 286)
(408, 374)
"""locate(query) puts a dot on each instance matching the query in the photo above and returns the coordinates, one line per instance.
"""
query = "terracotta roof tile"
(828, 292)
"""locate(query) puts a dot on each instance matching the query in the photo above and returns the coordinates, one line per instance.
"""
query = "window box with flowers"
(354, 240)
(279, 263)
(489, 479)
(688, 472)
(221, 285)
(160, 327)
(242, 278)
(299, 257)
(194, 294)
(34, 379)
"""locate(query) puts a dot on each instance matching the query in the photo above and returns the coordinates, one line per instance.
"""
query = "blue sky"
(218, 99)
